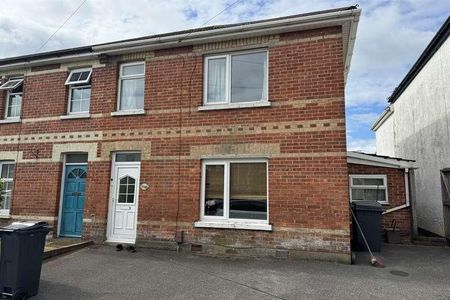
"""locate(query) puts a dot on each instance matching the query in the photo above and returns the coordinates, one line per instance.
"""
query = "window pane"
(84, 106)
(7, 171)
(369, 194)
(76, 158)
(77, 94)
(75, 76)
(122, 198)
(248, 77)
(14, 105)
(122, 157)
(132, 94)
(84, 75)
(214, 190)
(5, 197)
(133, 70)
(248, 191)
(368, 181)
(216, 80)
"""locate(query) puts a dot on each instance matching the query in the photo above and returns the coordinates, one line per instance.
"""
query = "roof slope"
(180, 35)
(437, 41)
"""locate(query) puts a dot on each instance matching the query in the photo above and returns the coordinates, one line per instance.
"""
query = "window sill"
(233, 225)
(128, 112)
(75, 116)
(235, 105)
(10, 121)
(5, 216)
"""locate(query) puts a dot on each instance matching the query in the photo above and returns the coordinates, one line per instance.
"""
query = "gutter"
(347, 19)
(366, 159)
(235, 30)
(407, 200)
(76, 57)
(388, 111)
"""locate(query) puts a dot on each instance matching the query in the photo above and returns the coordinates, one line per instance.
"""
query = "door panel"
(73, 201)
(123, 204)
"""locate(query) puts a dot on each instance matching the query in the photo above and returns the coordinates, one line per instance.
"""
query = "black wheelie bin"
(368, 214)
(21, 251)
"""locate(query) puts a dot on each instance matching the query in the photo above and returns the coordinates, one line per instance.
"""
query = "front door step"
(61, 246)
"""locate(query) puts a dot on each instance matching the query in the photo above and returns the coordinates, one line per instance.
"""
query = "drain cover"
(399, 273)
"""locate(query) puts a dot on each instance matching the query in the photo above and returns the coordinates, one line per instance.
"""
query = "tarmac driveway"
(99, 272)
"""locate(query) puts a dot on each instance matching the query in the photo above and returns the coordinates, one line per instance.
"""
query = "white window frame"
(18, 82)
(227, 101)
(8, 95)
(224, 221)
(369, 187)
(6, 212)
(74, 85)
(122, 77)
(71, 88)
(87, 80)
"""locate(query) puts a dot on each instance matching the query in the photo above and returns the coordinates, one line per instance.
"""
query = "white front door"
(123, 204)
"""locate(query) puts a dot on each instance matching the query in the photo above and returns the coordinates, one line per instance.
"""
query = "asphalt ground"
(100, 272)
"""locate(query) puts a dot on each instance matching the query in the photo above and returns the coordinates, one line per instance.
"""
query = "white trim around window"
(11, 97)
(7, 180)
(11, 84)
(224, 79)
(79, 76)
(81, 112)
(220, 217)
(135, 108)
(365, 186)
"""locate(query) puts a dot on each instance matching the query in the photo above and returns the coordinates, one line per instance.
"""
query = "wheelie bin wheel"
(19, 295)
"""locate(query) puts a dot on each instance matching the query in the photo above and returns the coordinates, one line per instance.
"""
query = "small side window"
(369, 187)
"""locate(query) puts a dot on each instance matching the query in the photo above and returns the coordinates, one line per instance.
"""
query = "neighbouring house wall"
(302, 134)
(396, 196)
(385, 138)
(421, 123)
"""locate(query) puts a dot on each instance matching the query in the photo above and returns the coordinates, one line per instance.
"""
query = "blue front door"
(73, 201)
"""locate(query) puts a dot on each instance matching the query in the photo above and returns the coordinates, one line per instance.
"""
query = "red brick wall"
(308, 182)
(396, 196)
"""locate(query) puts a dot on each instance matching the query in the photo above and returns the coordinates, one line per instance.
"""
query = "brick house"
(228, 138)
(388, 180)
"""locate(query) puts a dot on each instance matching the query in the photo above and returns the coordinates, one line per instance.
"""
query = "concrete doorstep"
(61, 246)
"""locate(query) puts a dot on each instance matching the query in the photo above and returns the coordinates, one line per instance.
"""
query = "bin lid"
(367, 205)
(24, 225)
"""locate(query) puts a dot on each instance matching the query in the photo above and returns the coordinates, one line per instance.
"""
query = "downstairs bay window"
(234, 194)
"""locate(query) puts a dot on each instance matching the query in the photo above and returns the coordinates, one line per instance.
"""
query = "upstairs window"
(13, 107)
(6, 177)
(369, 187)
(79, 91)
(236, 78)
(131, 86)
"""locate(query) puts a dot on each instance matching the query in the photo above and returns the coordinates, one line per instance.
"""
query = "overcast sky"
(391, 36)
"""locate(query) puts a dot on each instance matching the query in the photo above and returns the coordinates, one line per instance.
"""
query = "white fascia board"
(388, 111)
(369, 160)
(347, 19)
(58, 59)
(252, 29)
